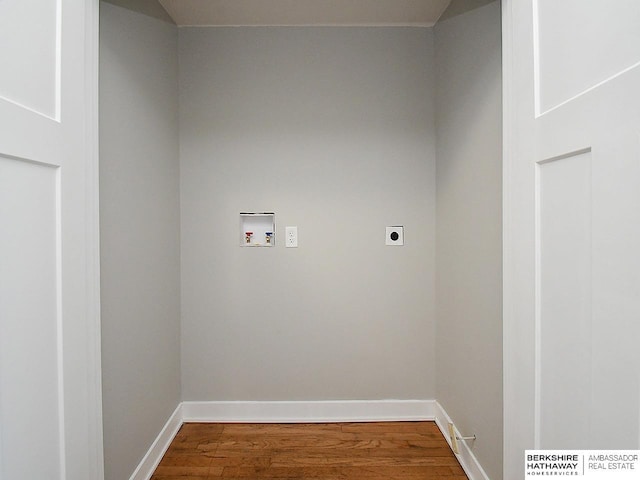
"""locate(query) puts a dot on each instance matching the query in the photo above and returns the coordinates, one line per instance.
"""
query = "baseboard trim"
(304, 412)
(467, 459)
(309, 412)
(150, 461)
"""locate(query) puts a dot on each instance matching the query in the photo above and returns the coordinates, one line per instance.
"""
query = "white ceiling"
(305, 12)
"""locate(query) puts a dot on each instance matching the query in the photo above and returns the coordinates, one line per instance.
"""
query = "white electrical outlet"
(291, 237)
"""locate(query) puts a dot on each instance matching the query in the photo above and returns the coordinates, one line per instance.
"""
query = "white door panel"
(564, 303)
(50, 414)
(30, 355)
(616, 289)
(31, 66)
(572, 226)
(574, 53)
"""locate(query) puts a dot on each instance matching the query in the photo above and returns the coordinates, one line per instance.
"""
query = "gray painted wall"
(139, 220)
(469, 228)
(333, 129)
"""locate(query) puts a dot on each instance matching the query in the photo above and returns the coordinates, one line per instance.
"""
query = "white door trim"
(94, 359)
(516, 385)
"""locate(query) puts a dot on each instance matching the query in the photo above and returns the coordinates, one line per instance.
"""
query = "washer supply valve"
(247, 236)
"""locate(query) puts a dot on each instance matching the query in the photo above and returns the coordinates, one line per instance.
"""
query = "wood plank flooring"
(345, 451)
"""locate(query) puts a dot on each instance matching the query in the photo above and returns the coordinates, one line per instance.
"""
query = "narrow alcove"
(341, 131)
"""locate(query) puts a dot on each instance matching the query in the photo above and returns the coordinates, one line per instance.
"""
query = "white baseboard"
(309, 412)
(467, 459)
(151, 460)
(304, 412)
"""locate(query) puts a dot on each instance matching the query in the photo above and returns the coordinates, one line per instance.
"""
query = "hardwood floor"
(345, 451)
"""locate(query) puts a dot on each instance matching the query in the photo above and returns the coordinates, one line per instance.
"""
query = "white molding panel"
(467, 459)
